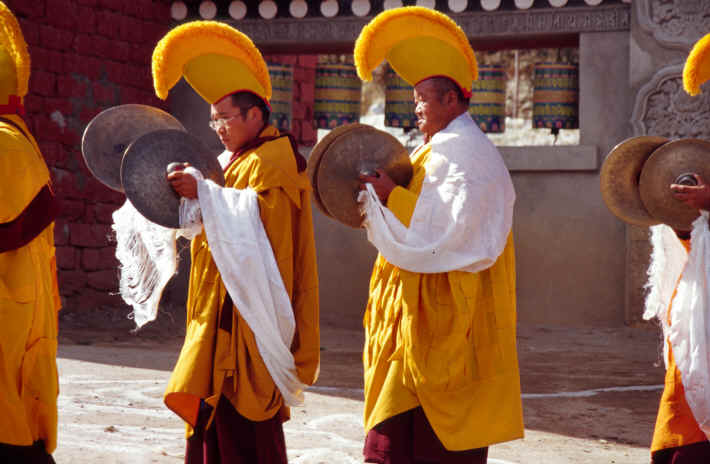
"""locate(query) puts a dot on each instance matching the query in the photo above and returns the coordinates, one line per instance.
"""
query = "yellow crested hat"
(418, 43)
(14, 59)
(697, 67)
(216, 60)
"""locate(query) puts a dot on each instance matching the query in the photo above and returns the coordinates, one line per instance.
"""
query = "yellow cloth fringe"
(697, 67)
(12, 40)
(380, 29)
(191, 40)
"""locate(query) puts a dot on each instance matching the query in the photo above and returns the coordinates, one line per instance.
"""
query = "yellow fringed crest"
(697, 67)
(418, 42)
(215, 59)
(12, 40)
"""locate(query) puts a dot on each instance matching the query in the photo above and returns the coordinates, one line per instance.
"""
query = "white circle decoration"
(360, 7)
(237, 9)
(390, 4)
(427, 3)
(557, 3)
(268, 9)
(592, 2)
(208, 10)
(490, 5)
(329, 8)
(298, 8)
(523, 4)
(178, 11)
(457, 6)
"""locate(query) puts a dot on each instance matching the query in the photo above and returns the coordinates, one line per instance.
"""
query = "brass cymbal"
(315, 158)
(357, 149)
(144, 177)
(109, 133)
(668, 165)
(619, 179)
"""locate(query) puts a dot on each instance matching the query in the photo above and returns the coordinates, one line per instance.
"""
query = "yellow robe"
(29, 301)
(213, 362)
(445, 342)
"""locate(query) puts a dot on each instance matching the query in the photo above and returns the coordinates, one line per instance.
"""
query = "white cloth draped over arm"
(689, 331)
(243, 254)
(463, 215)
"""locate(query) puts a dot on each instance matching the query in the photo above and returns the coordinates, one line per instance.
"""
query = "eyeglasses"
(217, 124)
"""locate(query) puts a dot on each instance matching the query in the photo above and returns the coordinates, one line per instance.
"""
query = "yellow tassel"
(379, 25)
(197, 38)
(697, 67)
(12, 40)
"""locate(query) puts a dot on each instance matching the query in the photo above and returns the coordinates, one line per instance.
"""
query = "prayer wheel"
(399, 102)
(556, 96)
(281, 95)
(487, 105)
(337, 95)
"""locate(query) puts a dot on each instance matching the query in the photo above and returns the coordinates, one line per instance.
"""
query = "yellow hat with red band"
(418, 43)
(216, 60)
(14, 59)
(697, 67)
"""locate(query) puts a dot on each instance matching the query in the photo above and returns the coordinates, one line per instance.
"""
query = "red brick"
(119, 51)
(108, 24)
(56, 62)
(53, 153)
(87, 114)
(103, 212)
(62, 105)
(71, 86)
(116, 5)
(90, 259)
(85, 44)
(87, 2)
(103, 280)
(69, 137)
(39, 57)
(54, 38)
(26, 8)
(30, 30)
(161, 12)
(130, 29)
(151, 32)
(87, 20)
(89, 235)
(66, 257)
(43, 83)
(72, 209)
(104, 94)
(71, 281)
(61, 13)
(65, 184)
(61, 233)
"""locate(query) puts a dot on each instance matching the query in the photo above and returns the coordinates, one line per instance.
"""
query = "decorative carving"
(663, 108)
(548, 21)
(674, 23)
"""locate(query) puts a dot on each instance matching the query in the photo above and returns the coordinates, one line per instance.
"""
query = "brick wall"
(89, 55)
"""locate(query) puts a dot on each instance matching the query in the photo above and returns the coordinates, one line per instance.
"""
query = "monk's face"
(431, 108)
(233, 126)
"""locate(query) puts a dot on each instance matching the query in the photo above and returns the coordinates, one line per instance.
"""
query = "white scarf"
(689, 330)
(464, 212)
(244, 257)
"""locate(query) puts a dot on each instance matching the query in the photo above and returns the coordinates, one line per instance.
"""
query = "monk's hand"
(183, 183)
(382, 183)
(696, 196)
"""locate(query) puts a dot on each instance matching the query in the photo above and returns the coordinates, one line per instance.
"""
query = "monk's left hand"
(696, 196)
(184, 184)
(382, 183)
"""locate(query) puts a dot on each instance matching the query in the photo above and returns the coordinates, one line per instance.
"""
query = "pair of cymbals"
(636, 177)
(128, 149)
(338, 160)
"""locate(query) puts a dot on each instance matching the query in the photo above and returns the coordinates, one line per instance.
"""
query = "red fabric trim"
(259, 141)
(42, 210)
(14, 106)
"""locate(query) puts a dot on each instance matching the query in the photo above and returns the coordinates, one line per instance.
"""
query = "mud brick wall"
(89, 55)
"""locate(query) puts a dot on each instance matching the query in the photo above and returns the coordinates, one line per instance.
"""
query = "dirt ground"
(589, 396)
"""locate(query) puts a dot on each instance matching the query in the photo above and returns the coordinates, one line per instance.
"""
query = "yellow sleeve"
(23, 174)
(290, 232)
(402, 202)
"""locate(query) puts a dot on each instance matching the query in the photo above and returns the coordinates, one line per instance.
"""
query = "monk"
(441, 370)
(29, 298)
(228, 385)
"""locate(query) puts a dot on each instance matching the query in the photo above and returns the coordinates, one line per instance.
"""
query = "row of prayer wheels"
(338, 94)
